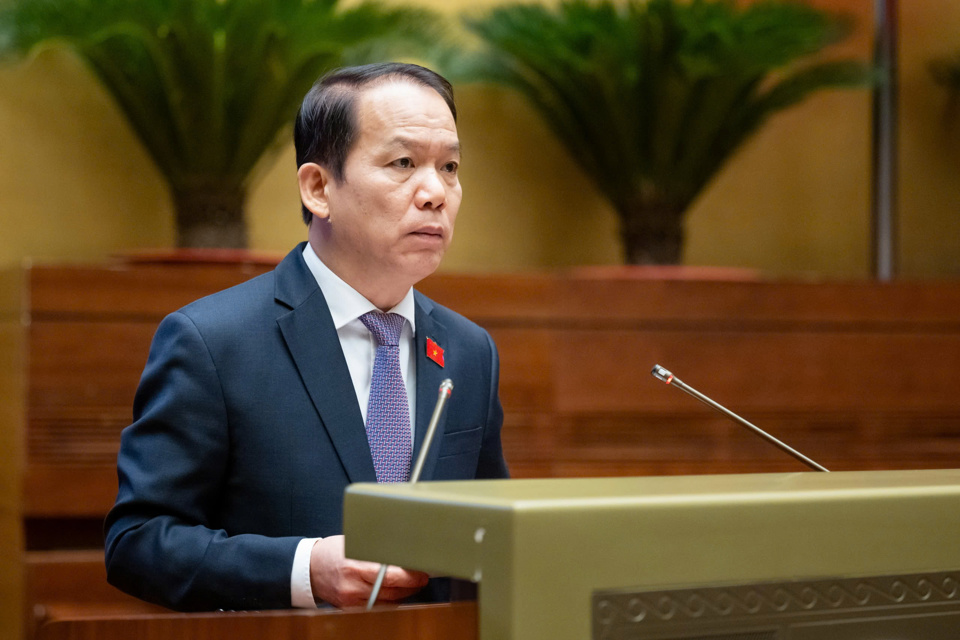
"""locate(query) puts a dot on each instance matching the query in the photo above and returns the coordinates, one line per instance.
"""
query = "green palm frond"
(207, 85)
(652, 97)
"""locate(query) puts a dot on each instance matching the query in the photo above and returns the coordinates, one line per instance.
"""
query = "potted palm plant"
(207, 85)
(946, 72)
(651, 97)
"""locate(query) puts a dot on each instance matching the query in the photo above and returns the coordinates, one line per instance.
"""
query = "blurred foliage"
(946, 72)
(652, 97)
(208, 85)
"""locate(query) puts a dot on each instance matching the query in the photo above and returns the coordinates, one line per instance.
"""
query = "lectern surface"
(541, 549)
(455, 621)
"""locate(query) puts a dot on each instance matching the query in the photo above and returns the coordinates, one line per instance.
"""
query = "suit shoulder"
(244, 300)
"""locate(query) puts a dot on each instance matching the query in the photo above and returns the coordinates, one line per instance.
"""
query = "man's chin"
(421, 265)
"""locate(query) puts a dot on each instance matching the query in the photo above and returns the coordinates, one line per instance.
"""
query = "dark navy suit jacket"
(247, 430)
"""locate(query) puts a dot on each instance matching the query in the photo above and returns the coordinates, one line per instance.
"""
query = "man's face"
(391, 217)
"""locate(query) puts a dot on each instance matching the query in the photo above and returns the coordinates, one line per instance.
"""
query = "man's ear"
(314, 180)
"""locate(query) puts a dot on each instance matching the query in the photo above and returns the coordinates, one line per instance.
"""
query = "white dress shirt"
(359, 348)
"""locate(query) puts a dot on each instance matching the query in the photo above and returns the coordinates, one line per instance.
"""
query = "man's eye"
(403, 163)
(451, 167)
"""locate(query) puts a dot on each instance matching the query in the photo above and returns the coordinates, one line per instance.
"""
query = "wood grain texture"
(12, 412)
(860, 374)
(72, 576)
(856, 375)
(123, 289)
(457, 621)
(73, 583)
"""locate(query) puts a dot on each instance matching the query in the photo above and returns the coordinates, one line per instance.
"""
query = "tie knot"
(385, 327)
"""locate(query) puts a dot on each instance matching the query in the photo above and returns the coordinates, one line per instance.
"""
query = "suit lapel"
(313, 343)
(429, 377)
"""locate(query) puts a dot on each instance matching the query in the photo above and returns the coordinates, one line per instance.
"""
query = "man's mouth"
(429, 231)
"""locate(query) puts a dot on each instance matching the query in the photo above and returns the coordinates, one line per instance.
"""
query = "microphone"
(665, 376)
(446, 388)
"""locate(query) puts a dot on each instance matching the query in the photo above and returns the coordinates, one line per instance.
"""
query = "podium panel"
(543, 550)
(918, 606)
(455, 621)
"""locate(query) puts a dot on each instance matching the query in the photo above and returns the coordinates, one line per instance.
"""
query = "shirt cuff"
(301, 591)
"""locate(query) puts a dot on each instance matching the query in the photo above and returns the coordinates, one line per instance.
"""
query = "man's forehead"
(391, 83)
(404, 115)
(398, 97)
(404, 141)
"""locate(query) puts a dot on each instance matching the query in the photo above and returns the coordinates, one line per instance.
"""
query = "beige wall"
(75, 184)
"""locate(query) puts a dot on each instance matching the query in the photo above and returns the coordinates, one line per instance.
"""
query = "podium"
(813, 555)
(455, 621)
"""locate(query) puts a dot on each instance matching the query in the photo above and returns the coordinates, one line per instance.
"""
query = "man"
(259, 404)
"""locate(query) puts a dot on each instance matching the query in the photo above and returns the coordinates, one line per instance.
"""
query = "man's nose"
(431, 192)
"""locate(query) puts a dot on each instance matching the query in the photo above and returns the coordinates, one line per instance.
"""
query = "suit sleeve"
(162, 541)
(491, 463)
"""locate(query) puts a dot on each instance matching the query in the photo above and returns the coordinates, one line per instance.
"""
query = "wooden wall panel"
(75, 581)
(634, 300)
(88, 339)
(862, 374)
(83, 374)
(12, 409)
(759, 370)
(856, 375)
(131, 290)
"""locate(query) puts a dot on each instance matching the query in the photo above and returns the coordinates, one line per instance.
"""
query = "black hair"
(325, 128)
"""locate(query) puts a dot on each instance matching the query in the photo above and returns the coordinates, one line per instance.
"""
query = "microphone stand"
(667, 377)
(446, 388)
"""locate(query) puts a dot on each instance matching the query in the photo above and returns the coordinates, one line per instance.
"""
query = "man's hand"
(346, 583)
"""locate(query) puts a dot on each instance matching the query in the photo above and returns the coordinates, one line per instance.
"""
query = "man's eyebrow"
(409, 143)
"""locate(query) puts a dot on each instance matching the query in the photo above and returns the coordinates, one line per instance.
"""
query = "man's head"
(378, 154)
(326, 125)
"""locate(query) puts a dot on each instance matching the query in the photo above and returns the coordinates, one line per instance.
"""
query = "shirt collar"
(346, 303)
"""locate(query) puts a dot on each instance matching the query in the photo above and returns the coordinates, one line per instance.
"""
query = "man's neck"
(384, 295)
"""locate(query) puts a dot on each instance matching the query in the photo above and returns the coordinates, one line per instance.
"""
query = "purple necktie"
(388, 412)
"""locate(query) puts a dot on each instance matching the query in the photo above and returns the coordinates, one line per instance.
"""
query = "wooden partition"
(85, 333)
(73, 583)
(88, 332)
(11, 455)
(456, 621)
(856, 375)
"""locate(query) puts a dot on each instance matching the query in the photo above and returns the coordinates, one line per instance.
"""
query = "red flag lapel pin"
(434, 351)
